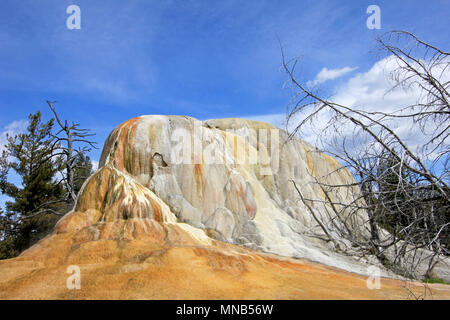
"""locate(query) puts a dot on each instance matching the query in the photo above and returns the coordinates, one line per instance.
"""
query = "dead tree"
(65, 141)
(403, 191)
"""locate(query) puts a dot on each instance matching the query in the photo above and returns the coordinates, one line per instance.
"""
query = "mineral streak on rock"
(177, 209)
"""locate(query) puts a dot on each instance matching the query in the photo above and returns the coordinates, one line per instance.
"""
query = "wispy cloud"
(329, 74)
(11, 129)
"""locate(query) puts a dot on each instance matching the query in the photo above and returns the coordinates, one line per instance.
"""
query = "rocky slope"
(181, 208)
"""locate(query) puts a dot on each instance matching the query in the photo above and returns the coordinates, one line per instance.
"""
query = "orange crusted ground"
(137, 269)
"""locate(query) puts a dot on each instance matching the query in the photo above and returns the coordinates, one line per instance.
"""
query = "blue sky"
(206, 59)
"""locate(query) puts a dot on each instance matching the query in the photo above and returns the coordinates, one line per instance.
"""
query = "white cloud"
(368, 91)
(329, 74)
(94, 165)
(372, 91)
(12, 129)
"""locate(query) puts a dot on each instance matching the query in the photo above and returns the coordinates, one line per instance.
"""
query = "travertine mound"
(228, 177)
(181, 208)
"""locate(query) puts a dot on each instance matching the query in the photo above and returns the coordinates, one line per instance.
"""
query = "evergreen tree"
(39, 158)
(35, 205)
(7, 235)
